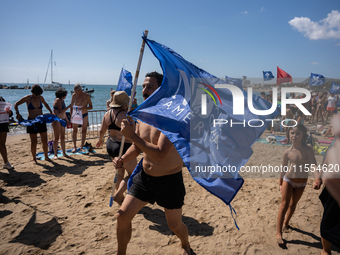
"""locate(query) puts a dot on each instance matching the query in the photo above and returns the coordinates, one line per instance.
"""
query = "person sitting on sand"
(3, 137)
(82, 100)
(292, 183)
(159, 180)
(35, 104)
(59, 109)
(112, 120)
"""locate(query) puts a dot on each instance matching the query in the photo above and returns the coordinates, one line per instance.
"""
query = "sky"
(93, 39)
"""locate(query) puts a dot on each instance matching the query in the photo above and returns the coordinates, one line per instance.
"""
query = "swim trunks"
(36, 128)
(4, 127)
(330, 223)
(113, 147)
(168, 191)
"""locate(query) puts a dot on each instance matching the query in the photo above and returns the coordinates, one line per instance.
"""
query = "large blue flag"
(234, 81)
(212, 153)
(316, 79)
(125, 82)
(267, 75)
(335, 88)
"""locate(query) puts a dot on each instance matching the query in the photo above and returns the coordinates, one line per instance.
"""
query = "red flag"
(282, 77)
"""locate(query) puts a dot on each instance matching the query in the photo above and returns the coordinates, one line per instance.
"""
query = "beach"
(62, 207)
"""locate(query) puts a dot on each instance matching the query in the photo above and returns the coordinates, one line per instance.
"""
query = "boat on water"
(86, 90)
(54, 86)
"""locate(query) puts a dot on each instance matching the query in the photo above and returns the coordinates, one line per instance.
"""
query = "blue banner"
(335, 88)
(125, 82)
(176, 110)
(233, 81)
(267, 75)
(316, 79)
(46, 118)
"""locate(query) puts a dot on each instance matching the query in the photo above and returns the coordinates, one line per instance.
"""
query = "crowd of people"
(35, 102)
(158, 176)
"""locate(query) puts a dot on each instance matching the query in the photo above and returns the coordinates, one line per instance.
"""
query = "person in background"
(83, 101)
(111, 121)
(108, 102)
(3, 136)
(59, 109)
(263, 95)
(35, 104)
(134, 103)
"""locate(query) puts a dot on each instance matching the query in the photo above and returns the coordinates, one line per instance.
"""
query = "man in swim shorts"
(160, 179)
(83, 101)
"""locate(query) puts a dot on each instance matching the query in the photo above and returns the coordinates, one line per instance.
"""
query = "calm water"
(99, 97)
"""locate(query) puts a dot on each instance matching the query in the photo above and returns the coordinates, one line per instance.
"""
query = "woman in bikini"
(35, 104)
(59, 109)
(3, 137)
(293, 178)
(111, 121)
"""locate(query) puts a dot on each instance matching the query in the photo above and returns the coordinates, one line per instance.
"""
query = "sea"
(99, 97)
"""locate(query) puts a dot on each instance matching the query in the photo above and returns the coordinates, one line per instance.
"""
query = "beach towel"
(273, 139)
(46, 118)
(41, 155)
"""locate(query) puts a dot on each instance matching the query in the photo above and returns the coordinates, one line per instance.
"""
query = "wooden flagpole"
(129, 107)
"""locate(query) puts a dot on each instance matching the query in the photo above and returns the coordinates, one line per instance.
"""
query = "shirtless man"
(332, 177)
(82, 100)
(159, 181)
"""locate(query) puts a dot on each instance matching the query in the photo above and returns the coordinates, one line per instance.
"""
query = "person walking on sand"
(82, 100)
(35, 104)
(59, 109)
(292, 183)
(159, 179)
(111, 121)
(3, 137)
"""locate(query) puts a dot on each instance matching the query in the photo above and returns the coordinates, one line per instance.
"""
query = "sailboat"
(54, 86)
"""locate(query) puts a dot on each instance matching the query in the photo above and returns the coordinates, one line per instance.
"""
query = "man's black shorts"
(168, 191)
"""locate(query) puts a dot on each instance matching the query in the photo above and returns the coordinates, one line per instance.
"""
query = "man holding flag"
(159, 179)
(186, 118)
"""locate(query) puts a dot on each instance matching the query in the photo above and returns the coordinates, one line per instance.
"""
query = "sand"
(62, 207)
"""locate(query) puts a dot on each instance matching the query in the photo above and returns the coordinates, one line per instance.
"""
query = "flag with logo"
(282, 76)
(125, 82)
(234, 81)
(267, 75)
(316, 79)
(335, 88)
(212, 153)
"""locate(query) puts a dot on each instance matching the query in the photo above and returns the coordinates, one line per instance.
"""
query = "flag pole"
(129, 107)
